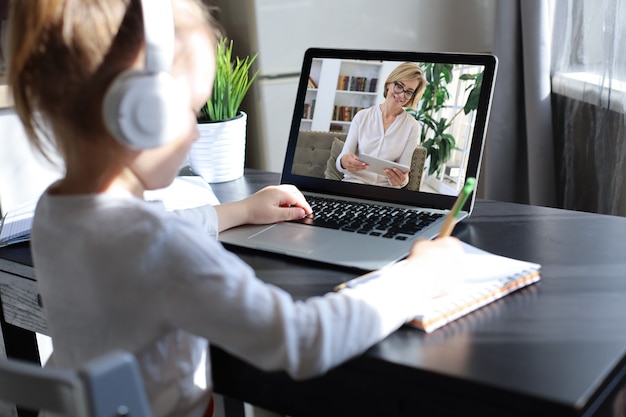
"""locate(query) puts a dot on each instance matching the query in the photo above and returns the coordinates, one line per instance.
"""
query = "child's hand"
(399, 291)
(275, 204)
(437, 250)
(272, 204)
(440, 257)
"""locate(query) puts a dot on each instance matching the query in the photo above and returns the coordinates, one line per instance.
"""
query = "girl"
(116, 272)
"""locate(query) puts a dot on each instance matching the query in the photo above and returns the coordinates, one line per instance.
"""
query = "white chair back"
(106, 386)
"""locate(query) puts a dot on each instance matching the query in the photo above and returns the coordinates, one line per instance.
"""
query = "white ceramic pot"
(219, 153)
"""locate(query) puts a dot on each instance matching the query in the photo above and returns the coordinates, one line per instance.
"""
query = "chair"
(106, 386)
(316, 153)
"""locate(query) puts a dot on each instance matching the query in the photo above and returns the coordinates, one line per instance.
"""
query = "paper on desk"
(481, 266)
(184, 192)
(15, 226)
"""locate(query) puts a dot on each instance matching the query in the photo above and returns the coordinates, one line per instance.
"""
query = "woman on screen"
(385, 130)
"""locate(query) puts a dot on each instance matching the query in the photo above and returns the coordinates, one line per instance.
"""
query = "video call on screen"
(339, 88)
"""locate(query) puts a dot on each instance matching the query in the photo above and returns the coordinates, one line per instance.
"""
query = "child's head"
(64, 54)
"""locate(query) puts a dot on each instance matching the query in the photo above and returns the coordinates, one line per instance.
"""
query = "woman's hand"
(396, 177)
(351, 163)
(270, 205)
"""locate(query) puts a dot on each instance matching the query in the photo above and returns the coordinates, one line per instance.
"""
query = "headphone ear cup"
(143, 110)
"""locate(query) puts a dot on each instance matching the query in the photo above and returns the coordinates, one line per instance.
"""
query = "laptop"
(334, 84)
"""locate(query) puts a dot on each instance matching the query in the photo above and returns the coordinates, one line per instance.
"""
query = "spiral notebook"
(486, 278)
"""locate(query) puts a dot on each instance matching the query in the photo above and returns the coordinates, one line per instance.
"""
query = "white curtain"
(589, 96)
(518, 163)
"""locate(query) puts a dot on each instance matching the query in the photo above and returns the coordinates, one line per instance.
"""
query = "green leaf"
(434, 136)
(474, 95)
(467, 77)
(232, 82)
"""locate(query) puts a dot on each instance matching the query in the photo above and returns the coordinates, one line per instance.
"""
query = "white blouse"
(367, 135)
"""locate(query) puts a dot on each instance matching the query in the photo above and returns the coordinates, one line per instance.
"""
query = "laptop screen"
(441, 150)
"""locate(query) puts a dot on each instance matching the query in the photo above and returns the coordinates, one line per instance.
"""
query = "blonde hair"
(408, 71)
(63, 54)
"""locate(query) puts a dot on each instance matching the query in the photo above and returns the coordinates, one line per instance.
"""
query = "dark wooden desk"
(555, 349)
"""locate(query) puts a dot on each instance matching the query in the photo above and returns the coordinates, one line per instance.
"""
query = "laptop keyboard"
(367, 218)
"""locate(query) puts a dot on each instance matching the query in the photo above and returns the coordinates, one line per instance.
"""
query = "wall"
(281, 30)
(23, 174)
(437, 25)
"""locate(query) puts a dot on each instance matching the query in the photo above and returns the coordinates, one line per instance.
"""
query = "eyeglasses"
(398, 88)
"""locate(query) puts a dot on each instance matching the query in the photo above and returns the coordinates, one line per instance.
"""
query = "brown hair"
(408, 71)
(63, 54)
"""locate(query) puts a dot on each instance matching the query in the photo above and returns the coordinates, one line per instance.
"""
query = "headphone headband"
(159, 38)
(145, 108)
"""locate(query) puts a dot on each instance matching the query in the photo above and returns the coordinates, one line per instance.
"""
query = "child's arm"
(270, 205)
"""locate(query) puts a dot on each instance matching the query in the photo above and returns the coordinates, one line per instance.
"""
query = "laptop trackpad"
(289, 237)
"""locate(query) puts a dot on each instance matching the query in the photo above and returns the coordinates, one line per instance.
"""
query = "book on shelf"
(360, 84)
(342, 82)
(311, 83)
(309, 108)
(345, 113)
(338, 113)
(334, 127)
(352, 83)
(373, 84)
(486, 278)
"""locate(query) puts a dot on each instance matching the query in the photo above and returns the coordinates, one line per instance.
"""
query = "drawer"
(21, 303)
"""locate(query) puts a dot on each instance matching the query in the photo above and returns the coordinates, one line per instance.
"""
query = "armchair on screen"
(316, 153)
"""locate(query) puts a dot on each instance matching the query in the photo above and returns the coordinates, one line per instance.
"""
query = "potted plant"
(435, 137)
(219, 154)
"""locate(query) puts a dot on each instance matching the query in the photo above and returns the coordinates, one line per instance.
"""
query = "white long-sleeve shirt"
(367, 135)
(116, 272)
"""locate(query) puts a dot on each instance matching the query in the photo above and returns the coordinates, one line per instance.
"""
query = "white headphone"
(143, 108)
